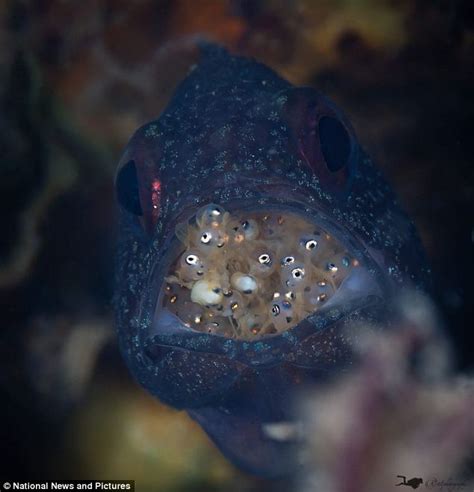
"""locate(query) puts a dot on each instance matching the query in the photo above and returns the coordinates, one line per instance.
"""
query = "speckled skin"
(238, 135)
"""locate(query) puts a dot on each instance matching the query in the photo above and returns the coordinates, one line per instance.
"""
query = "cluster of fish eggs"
(251, 275)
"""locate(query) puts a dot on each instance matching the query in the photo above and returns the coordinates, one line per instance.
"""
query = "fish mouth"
(264, 274)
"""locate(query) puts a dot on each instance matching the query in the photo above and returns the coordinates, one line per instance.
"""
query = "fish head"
(237, 140)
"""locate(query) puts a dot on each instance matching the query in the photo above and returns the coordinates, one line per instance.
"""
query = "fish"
(261, 173)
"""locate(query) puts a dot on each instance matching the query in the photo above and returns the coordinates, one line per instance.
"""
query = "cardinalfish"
(254, 230)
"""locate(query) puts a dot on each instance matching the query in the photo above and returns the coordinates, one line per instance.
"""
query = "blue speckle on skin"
(290, 337)
(259, 347)
(152, 131)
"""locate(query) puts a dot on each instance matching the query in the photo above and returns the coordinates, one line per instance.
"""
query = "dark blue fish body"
(238, 135)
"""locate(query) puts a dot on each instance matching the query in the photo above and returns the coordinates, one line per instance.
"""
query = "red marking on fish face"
(155, 198)
(139, 187)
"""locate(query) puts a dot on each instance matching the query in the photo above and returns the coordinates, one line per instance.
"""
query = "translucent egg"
(250, 229)
(295, 277)
(338, 267)
(244, 283)
(210, 215)
(262, 262)
(171, 290)
(272, 226)
(287, 260)
(324, 246)
(191, 314)
(218, 326)
(243, 230)
(281, 313)
(211, 327)
(234, 232)
(308, 245)
(316, 294)
(192, 266)
(209, 238)
(233, 304)
(175, 298)
(207, 292)
(252, 323)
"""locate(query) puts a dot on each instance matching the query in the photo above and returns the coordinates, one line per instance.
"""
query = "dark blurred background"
(76, 79)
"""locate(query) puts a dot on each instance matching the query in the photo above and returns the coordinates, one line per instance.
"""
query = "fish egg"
(308, 244)
(210, 215)
(261, 263)
(206, 292)
(244, 283)
(191, 266)
(315, 295)
(295, 277)
(250, 229)
(190, 313)
(211, 238)
(234, 305)
(281, 312)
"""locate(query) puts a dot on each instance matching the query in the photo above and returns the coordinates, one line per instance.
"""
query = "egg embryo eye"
(192, 259)
(298, 273)
(311, 244)
(206, 238)
(264, 259)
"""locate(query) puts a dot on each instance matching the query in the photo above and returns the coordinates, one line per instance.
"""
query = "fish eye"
(288, 260)
(192, 259)
(126, 185)
(297, 273)
(335, 143)
(206, 237)
(311, 244)
(332, 267)
(275, 309)
(264, 259)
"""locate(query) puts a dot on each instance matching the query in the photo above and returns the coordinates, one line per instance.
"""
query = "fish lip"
(273, 349)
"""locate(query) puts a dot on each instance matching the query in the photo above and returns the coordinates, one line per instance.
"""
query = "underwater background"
(76, 80)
